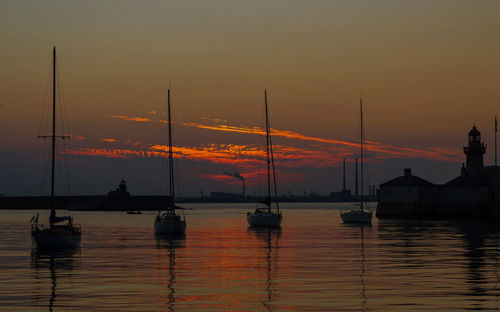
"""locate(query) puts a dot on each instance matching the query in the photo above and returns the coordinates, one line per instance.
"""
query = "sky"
(427, 72)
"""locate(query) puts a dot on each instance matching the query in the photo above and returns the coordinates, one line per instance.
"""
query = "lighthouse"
(474, 152)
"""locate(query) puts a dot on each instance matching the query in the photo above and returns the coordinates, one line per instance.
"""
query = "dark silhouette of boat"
(266, 216)
(56, 235)
(359, 213)
(169, 222)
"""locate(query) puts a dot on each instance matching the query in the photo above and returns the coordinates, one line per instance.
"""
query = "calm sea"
(315, 263)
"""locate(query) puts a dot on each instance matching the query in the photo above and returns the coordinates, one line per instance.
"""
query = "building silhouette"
(475, 192)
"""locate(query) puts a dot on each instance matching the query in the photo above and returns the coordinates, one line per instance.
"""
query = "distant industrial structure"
(475, 192)
(345, 195)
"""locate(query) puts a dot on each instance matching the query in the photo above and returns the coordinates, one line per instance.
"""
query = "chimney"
(407, 172)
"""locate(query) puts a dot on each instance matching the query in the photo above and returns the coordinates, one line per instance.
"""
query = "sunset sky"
(427, 71)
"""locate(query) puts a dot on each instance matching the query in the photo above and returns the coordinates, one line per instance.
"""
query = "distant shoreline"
(152, 202)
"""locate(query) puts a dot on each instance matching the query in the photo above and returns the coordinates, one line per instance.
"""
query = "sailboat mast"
(496, 130)
(53, 124)
(268, 202)
(362, 150)
(170, 156)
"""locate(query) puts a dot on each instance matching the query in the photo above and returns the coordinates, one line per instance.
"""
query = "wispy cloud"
(242, 156)
(337, 148)
(128, 118)
(312, 152)
(108, 140)
(380, 150)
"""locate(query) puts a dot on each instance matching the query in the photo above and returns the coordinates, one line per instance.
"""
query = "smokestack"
(356, 179)
(238, 176)
(343, 175)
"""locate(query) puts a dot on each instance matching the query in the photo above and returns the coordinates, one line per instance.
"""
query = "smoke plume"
(236, 174)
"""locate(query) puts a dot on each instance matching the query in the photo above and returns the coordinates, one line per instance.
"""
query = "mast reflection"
(363, 269)
(270, 238)
(55, 261)
(361, 230)
(171, 243)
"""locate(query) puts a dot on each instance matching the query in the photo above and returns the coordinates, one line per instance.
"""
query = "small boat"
(169, 222)
(56, 235)
(359, 214)
(266, 216)
(134, 212)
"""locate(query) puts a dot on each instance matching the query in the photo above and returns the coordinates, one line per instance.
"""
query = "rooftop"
(407, 180)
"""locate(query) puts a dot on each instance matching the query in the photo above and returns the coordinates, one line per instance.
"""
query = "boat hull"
(354, 216)
(50, 239)
(170, 226)
(264, 219)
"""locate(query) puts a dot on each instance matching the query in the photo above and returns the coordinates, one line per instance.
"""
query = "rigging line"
(176, 175)
(43, 107)
(160, 161)
(361, 146)
(274, 171)
(67, 164)
(65, 171)
(170, 156)
(42, 121)
(62, 104)
(45, 170)
(62, 109)
(37, 167)
(268, 201)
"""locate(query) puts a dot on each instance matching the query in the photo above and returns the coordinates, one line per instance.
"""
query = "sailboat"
(169, 222)
(266, 216)
(359, 215)
(56, 235)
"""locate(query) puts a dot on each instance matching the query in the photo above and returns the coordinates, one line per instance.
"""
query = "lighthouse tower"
(474, 152)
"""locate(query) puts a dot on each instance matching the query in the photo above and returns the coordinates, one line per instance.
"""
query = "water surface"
(314, 263)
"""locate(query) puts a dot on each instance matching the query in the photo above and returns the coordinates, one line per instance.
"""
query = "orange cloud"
(336, 148)
(243, 156)
(137, 119)
(108, 140)
(386, 151)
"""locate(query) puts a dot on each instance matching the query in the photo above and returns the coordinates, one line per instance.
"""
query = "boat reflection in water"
(270, 245)
(54, 261)
(362, 259)
(169, 242)
(364, 301)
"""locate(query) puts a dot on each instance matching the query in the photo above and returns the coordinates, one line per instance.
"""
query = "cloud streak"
(342, 147)
(250, 159)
